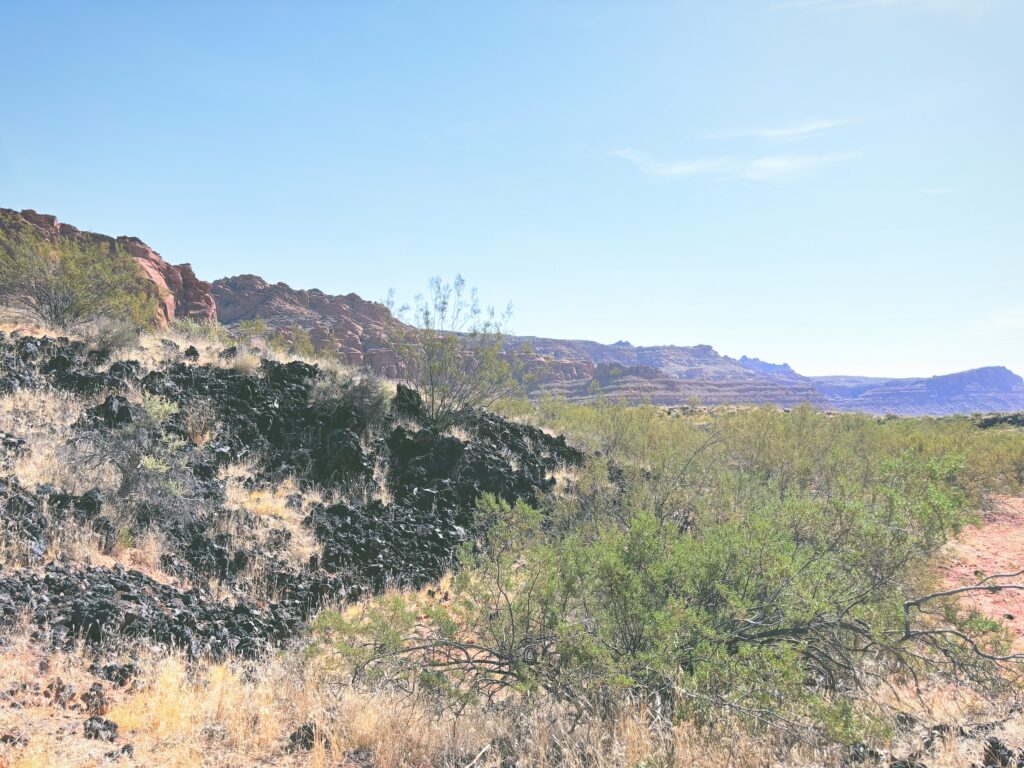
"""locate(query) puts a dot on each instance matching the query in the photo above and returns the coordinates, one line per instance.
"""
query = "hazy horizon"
(828, 183)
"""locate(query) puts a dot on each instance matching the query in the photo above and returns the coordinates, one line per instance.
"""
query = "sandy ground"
(997, 546)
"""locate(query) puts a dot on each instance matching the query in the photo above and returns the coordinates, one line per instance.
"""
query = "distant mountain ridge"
(358, 332)
(992, 388)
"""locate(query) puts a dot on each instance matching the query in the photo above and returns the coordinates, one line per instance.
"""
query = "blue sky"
(831, 183)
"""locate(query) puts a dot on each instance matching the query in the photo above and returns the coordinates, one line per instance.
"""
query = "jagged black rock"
(410, 493)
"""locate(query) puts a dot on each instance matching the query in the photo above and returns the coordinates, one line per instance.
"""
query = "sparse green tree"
(66, 284)
(252, 329)
(293, 340)
(455, 351)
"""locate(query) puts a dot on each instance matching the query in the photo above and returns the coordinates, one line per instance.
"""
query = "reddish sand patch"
(997, 546)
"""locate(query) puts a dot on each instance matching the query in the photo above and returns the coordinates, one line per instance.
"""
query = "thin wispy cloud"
(777, 166)
(765, 168)
(925, 5)
(678, 169)
(793, 131)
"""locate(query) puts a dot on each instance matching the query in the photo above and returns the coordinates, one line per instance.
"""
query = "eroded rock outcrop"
(353, 328)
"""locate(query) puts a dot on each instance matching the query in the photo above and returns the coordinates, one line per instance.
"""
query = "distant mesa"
(358, 332)
(776, 369)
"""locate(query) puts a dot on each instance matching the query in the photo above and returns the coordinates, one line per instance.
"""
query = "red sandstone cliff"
(353, 328)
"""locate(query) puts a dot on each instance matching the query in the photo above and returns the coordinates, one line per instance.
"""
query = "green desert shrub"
(293, 340)
(66, 284)
(250, 330)
(194, 330)
(764, 565)
(453, 350)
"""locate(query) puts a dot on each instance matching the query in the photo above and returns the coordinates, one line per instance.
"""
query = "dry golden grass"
(149, 351)
(942, 703)
(43, 417)
(222, 714)
(178, 715)
(9, 324)
(53, 733)
(152, 353)
(272, 505)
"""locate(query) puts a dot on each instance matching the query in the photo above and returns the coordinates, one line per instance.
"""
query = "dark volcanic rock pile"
(271, 418)
(409, 493)
(114, 605)
(29, 518)
(434, 480)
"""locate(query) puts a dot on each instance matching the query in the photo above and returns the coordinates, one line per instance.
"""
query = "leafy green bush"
(302, 343)
(293, 340)
(248, 330)
(66, 284)
(768, 565)
(193, 330)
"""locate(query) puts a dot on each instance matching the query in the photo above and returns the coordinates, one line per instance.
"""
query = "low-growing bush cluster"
(773, 568)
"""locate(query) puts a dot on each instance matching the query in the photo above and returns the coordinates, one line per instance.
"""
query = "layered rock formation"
(663, 375)
(353, 328)
(179, 292)
(980, 390)
(990, 389)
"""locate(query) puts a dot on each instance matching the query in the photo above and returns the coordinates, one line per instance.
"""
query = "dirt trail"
(995, 547)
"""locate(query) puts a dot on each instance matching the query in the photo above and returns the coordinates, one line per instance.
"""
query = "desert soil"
(996, 546)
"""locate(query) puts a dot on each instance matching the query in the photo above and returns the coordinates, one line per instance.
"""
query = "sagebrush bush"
(194, 330)
(110, 335)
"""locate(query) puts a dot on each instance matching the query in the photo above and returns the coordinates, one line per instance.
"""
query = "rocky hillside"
(196, 456)
(179, 292)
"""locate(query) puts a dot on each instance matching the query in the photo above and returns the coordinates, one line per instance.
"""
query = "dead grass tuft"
(221, 714)
(44, 418)
(282, 506)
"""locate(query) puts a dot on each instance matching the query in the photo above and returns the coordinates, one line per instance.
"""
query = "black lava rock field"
(385, 498)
